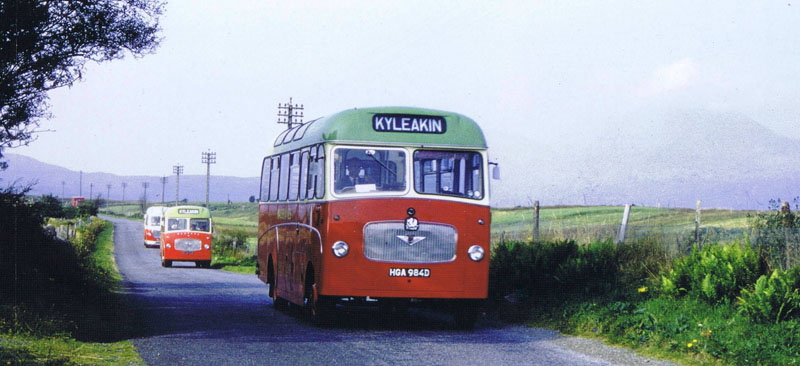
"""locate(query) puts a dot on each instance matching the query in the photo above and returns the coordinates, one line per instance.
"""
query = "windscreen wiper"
(371, 154)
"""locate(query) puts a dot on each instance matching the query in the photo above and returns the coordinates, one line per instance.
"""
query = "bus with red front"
(378, 204)
(186, 236)
(152, 226)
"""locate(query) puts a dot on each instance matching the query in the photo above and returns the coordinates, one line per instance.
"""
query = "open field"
(582, 223)
(589, 223)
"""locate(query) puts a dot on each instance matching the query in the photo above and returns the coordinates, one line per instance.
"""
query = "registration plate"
(188, 252)
(409, 272)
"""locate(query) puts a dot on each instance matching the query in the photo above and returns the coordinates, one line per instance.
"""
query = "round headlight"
(207, 246)
(475, 253)
(340, 249)
(169, 246)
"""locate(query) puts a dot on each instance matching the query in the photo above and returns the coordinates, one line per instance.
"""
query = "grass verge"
(688, 331)
(74, 320)
(689, 309)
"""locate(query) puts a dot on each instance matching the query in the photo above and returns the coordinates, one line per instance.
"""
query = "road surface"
(193, 316)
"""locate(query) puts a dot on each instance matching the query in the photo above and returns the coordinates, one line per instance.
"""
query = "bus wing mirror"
(495, 171)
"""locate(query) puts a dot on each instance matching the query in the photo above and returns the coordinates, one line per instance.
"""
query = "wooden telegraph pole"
(208, 159)
(178, 170)
(536, 220)
(163, 183)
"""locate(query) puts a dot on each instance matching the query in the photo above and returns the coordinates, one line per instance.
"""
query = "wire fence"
(781, 247)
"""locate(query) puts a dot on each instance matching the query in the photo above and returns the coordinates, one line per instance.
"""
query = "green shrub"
(716, 273)
(774, 298)
(49, 206)
(86, 237)
(527, 268)
(89, 207)
(232, 244)
(537, 270)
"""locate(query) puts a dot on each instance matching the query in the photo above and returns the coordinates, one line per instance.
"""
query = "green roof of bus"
(355, 126)
(202, 212)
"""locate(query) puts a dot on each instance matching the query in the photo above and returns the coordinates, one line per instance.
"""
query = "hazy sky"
(553, 72)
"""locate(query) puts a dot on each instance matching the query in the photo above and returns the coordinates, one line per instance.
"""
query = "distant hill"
(23, 170)
(671, 159)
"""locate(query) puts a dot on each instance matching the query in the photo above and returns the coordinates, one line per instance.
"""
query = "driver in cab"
(353, 174)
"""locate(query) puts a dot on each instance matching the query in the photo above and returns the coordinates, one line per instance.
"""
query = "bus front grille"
(389, 241)
(187, 245)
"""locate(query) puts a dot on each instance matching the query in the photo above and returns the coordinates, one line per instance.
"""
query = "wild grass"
(72, 317)
(617, 292)
(590, 223)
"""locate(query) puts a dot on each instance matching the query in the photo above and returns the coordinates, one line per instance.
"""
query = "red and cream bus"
(186, 236)
(152, 226)
(387, 204)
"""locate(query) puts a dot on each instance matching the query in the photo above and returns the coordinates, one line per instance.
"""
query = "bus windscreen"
(369, 170)
(449, 173)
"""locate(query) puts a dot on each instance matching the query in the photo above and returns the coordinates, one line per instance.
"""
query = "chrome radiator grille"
(187, 245)
(157, 234)
(390, 242)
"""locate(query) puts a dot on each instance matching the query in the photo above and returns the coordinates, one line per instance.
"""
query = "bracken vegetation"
(720, 303)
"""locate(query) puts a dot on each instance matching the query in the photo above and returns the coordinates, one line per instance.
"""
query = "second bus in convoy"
(387, 204)
(186, 236)
(152, 226)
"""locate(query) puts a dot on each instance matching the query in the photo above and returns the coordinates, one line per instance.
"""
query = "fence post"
(624, 225)
(536, 220)
(697, 225)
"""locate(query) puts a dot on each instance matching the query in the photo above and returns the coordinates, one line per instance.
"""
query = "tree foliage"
(45, 45)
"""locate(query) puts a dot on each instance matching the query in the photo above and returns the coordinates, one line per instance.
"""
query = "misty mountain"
(48, 179)
(671, 159)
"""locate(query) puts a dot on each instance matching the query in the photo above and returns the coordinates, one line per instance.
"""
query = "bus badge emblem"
(411, 239)
(412, 224)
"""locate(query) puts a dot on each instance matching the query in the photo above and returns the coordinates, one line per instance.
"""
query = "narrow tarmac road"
(193, 316)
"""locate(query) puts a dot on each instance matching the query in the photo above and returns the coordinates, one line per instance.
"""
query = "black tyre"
(166, 263)
(319, 308)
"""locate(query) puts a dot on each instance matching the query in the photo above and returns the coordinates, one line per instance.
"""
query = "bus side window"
(304, 175)
(273, 180)
(266, 169)
(320, 172)
(312, 168)
(283, 188)
(294, 176)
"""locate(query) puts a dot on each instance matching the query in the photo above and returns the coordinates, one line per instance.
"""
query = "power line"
(288, 112)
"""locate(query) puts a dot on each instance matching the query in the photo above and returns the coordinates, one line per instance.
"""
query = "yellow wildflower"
(642, 289)
(690, 344)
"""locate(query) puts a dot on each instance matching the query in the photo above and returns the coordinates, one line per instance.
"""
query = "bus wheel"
(278, 302)
(271, 278)
(203, 264)
(318, 308)
(166, 263)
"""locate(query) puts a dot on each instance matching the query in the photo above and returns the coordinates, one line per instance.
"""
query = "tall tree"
(45, 44)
